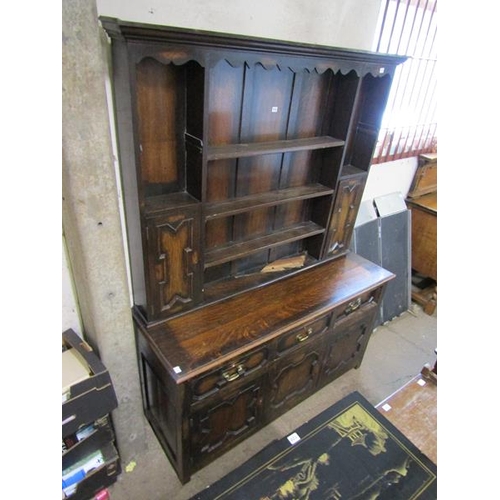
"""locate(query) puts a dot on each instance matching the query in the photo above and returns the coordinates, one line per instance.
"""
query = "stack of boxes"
(90, 461)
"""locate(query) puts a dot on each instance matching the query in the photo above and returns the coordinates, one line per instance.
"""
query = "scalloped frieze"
(179, 45)
(178, 55)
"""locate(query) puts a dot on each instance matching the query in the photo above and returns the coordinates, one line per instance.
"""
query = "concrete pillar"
(91, 217)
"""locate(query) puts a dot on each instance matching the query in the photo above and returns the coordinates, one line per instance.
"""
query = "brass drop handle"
(233, 375)
(353, 306)
(304, 335)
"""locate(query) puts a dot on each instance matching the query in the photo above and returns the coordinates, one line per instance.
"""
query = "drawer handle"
(353, 306)
(304, 335)
(233, 375)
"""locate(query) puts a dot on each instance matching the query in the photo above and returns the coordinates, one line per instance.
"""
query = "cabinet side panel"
(195, 84)
(370, 109)
(129, 176)
(342, 99)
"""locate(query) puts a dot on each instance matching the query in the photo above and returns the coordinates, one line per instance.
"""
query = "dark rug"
(349, 451)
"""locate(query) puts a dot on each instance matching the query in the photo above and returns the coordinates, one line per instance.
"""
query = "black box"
(88, 399)
(99, 478)
(100, 435)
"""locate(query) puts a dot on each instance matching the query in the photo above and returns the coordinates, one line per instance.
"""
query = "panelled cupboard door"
(174, 264)
(345, 210)
(293, 378)
(347, 342)
(224, 422)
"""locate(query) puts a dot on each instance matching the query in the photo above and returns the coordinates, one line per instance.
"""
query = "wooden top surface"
(427, 201)
(204, 338)
(413, 410)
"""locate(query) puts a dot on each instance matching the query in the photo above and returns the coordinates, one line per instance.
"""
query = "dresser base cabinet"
(209, 382)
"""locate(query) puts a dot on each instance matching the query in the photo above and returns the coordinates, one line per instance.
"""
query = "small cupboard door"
(173, 242)
(345, 210)
(347, 342)
(224, 422)
(293, 378)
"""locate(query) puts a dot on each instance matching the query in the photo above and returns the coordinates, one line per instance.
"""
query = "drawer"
(302, 335)
(354, 305)
(240, 368)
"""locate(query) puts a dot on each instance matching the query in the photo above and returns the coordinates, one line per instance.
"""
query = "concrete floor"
(396, 353)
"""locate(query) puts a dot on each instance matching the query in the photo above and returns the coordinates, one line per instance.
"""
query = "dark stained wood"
(268, 147)
(226, 370)
(363, 61)
(237, 152)
(224, 423)
(279, 237)
(156, 205)
(174, 261)
(348, 342)
(212, 335)
(345, 210)
(366, 118)
(294, 378)
(160, 98)
(269, 198)
(350, 170)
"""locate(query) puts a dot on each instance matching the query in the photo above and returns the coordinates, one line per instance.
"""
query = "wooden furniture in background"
(237, 155)
(422, 201)
(413, 410)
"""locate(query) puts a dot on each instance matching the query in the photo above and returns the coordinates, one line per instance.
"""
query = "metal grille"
(409, 125)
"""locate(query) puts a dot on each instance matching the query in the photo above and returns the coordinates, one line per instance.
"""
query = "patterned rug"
(348, 452)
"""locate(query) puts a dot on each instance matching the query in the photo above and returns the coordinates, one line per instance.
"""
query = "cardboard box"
(95, 480)
(88, 392)
(99, 434)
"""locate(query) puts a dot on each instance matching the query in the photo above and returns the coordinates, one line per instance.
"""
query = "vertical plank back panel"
(224, 115)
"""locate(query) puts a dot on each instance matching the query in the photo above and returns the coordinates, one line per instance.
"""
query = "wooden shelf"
(158, 204)
(351, 170)
(241, 249)
(261, 148)
(271, 198)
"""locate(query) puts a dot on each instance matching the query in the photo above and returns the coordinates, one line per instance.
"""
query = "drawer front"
(302, 335)
(225, 422)
(230, 374)
(354, 305)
